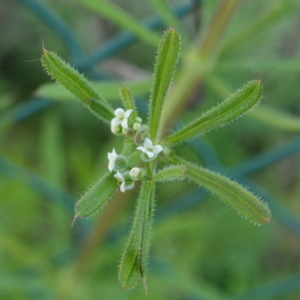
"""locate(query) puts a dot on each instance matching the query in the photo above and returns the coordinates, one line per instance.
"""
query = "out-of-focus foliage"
(199, 252)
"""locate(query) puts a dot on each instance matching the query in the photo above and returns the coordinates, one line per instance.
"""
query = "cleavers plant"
(148, 155)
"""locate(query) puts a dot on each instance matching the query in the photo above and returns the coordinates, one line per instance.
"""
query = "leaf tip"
(145, 286)
(125, 286)
(44, 50)
(75, 218)
(267, 221)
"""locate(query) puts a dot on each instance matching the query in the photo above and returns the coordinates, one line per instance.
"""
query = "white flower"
(149, 149)
(112, 158)
(120, 122)
(125, 185)
(134, 173)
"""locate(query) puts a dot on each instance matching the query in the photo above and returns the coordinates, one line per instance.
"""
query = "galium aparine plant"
(148, 155)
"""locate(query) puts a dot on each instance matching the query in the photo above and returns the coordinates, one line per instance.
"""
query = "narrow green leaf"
(167, 57)
(170, 173)
(262, 113)
(109, 90)
(245, 203)
(96, 196)
(276, 118)
(76, 84)
(234, 106)
(134, 260)
(114, 13)
(128, 101)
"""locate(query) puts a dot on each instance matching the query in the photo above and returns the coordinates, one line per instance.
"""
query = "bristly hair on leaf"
(77, 84)
(170, 173)
(230, 109)
(166, 61)
(135, 257)
(232, 193)
(96, 196)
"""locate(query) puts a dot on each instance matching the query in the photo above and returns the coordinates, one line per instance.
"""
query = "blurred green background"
(52, 149)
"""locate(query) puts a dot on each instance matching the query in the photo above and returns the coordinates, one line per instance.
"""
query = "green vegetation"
(53, 149)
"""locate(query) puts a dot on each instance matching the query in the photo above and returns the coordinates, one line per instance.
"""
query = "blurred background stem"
(100, 230)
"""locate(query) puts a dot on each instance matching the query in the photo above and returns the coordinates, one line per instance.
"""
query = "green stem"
(127, 148)
(148, 169)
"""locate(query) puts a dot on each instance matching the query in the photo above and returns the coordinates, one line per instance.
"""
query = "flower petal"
(124, 123)
(150, 154)
(112, 156)
(115, 122)
(115, 129)
(143, 149)
(122, 187)
(127, 113)
(119, 112)
(128, 186)
(119, 176)
(148, 143)
(157, 149)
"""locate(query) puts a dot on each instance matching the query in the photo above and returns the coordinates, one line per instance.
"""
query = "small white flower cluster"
(149, 149)
(119, 124)
(118, 163)
(124, 177)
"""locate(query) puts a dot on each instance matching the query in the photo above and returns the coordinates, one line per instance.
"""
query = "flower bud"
(124, 130)
(115, 129)
(134, 173)
(136, 126)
